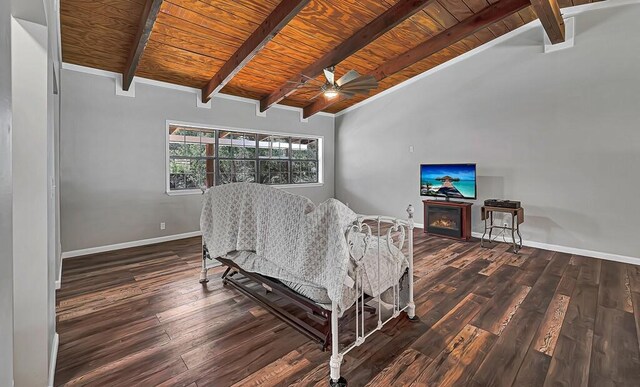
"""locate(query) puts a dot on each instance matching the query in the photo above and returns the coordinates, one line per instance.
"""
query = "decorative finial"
(410, 211)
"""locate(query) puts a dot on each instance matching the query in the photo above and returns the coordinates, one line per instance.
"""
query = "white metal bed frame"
(403, 231)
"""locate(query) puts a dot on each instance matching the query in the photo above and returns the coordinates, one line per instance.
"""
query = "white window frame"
(193, 125)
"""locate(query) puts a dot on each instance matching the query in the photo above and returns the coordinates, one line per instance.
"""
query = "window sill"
(281, 186)
(303, 185)
(185, 192)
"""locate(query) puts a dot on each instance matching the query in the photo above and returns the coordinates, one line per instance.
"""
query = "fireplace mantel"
(448, 219)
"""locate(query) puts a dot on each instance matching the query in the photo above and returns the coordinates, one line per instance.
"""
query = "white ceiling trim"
(566, 13)
(166, 85)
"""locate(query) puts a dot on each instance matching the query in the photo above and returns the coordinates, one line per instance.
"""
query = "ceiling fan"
(348, 85)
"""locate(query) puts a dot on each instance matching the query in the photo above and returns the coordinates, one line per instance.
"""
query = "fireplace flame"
(444, 222)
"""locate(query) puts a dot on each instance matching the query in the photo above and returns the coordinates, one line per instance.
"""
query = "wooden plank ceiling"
(191, 40)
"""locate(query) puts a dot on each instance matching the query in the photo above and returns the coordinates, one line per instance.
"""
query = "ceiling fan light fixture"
(330, 90)
(331, 93)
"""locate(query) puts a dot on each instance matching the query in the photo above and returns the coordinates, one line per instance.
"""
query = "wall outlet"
(410, 148)
(162, 226)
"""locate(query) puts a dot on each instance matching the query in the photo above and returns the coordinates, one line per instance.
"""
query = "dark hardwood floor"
(487, 317)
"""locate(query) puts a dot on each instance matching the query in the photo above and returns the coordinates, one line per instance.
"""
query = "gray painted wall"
(557, 131)
(33, 283)
(112, 158)
(6, 201)
(53, 254)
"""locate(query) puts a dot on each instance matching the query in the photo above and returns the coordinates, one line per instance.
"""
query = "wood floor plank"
(517, 260)
(633, 271)
(535, 371)
(636, 313)
(402, 371)
(568, 281)
(571, 357)
(440, 334)
(590, 271)
(500, 260)
(457, 363)
(276, 372)
(571, 361)
(615, 356)
(504, 275)
(545, 287)
(505, 358)
(496, 314)
(487, 317)
(378, 360)
(547, 335)
(614, 286)
(534, 266)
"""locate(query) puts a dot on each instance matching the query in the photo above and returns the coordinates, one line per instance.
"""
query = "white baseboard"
(572, 250)
(53, 359)
(126, 245)
(59, 278)
(565, 249)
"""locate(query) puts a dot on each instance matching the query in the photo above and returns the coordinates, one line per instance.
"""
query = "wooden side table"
(517, 218)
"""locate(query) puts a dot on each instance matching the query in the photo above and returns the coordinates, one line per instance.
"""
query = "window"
(203, 157)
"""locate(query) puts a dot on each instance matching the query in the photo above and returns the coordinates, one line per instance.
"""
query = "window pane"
(236, 144)
(187, 173)
(191, 143)
(244, 146)
(208, 134)
(274, 172)
(233, 171)
(194, 158)
(176, 181)
(304, 172)
(225, 145)
(274, 147)
(280, 147)
(304, 149)
(189, 132)
(187, 149)
(193, 181)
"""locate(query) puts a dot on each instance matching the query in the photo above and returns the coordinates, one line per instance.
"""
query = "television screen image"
(448, 180)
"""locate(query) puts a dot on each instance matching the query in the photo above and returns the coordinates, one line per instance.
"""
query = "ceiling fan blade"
(316, 96)
(348, 77)
(358, 88)
(329, 73)
(359, 91)
(363, 81)
(346, 94)
(310, 80)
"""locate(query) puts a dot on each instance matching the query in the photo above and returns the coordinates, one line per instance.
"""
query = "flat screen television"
(448, 180)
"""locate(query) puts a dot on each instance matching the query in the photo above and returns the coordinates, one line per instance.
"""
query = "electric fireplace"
(444, 220)
(448, 219)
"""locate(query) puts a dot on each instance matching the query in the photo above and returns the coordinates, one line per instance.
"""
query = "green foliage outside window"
(202, 158)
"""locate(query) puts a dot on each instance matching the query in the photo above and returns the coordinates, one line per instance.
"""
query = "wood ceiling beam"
(548, 11)
(147, 20)
(281, 15)
(488, 16)
(395, 15)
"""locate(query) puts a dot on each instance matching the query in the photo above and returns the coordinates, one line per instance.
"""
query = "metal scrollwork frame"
(403, 229)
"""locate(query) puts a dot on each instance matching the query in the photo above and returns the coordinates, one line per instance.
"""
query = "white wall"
(112, 158)
(31, 267)
(54, 262)
(557, 131)
(6, 201)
